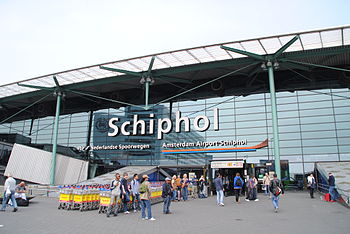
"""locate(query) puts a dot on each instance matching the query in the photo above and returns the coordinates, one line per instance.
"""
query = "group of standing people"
(140, 192)
(180, 187)
(273, 186)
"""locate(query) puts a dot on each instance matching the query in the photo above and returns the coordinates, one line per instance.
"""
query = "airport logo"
(201, 123)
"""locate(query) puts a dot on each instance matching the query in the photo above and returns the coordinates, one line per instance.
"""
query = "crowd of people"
(174, 189)
(273, 188)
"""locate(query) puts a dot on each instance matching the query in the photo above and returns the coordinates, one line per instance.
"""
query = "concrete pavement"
(298, 214)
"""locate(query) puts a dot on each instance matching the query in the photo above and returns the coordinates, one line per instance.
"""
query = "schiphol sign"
(164, 126)
(201, 123)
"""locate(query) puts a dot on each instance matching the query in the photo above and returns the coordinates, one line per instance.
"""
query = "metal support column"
(146, 93)
(274, 119)
(55, 136)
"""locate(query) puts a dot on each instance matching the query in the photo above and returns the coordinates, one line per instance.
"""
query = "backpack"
(238, 182)
(143, 188)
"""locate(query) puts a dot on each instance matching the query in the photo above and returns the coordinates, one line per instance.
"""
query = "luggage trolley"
(105, 199)
(65, 198)
(77, 199)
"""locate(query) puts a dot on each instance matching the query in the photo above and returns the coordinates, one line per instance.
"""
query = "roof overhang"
(190, 74)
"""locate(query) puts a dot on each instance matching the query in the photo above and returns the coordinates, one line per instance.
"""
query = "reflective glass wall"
(313, 125)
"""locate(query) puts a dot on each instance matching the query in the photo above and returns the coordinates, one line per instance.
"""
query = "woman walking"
(266, 183)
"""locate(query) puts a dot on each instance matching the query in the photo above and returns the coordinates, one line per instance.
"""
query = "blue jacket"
(218, 184)
(234, 182)
(331, 180)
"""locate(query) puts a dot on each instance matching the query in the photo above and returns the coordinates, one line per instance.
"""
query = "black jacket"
(166, 190)
(275, 183)
(124, 186)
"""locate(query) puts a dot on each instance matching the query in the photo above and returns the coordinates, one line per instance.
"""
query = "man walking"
(276, 189)
(311, 184)
(9, 193)
(135, 193)
(167, 195)
(331, 182)
(219, 190)
(125, 192)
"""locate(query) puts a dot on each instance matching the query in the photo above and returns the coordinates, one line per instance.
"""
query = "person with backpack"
(135, 194)
(125, 192)
(145, 196)
(311, 184)
(276, 189)
(115, 195)
(237, 186)
(166, 195)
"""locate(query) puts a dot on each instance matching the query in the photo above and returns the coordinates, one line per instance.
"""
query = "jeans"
(275, 201)
(166, 205)
(6, 198)
(185, 193)
(332, 192)
(146, 204)
(174, 195)
(267, 190)
(125, 201)
(136, 201)
(219, 197)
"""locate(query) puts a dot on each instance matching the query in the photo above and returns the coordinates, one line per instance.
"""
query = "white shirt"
(309, 179)
(10, 183)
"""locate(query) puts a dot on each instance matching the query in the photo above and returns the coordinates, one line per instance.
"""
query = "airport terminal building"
(189, 107)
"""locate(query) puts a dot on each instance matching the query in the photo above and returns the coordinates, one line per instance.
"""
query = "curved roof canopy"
(189, 74)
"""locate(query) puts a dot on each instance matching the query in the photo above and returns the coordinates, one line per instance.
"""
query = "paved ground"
(298, 214)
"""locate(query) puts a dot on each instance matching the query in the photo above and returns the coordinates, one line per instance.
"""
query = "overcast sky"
(43, 37)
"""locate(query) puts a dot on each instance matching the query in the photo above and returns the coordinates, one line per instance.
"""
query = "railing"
(39, 190)
(345, 195)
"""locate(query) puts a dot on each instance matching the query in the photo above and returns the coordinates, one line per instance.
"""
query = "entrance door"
(228, 175)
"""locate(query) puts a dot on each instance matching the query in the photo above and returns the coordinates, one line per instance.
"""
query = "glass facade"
(313, 126)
